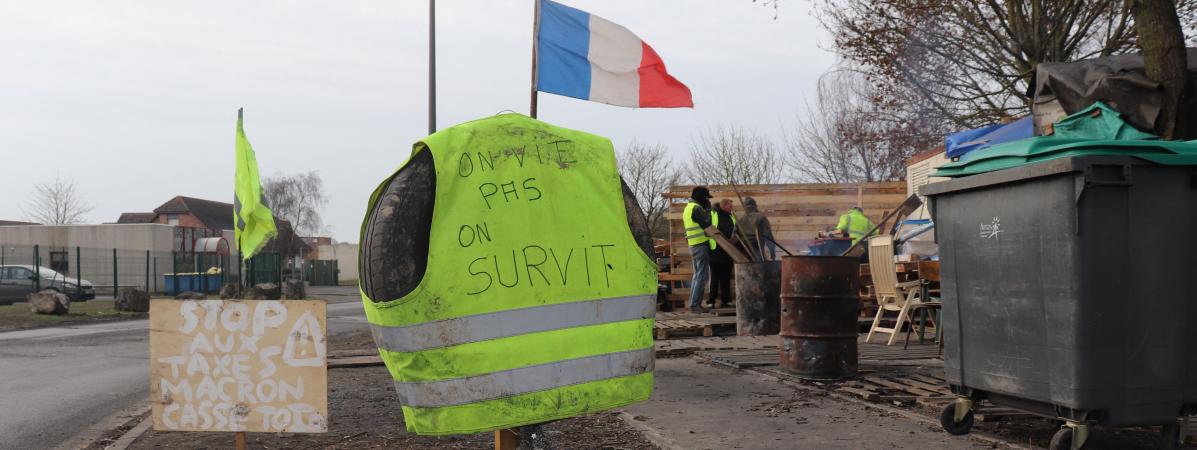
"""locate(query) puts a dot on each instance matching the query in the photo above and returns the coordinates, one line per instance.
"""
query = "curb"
(652, 434)
(127, 439)
(98, 430)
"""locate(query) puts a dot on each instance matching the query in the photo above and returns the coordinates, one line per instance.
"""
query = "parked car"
(16, 282)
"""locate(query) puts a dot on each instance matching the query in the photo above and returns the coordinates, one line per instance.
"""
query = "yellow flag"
(255, 222)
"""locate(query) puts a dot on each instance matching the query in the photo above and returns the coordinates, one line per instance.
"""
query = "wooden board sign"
(238, 365)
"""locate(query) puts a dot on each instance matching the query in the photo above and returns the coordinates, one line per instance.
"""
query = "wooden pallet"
(684, 347)
(729, 311)
(919, 389)
(674, 328)
(675, 324)
(744, 359)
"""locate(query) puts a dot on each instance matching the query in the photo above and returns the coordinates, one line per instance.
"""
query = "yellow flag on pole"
(254, 226)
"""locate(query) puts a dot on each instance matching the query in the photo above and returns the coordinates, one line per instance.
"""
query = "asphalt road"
(56, 382)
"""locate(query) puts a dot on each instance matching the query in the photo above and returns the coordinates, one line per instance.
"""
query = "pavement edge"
(99, 430)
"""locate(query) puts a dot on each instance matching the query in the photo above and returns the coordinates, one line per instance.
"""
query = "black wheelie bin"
(1068, 291)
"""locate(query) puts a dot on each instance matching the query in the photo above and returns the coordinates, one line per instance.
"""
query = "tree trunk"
(1165, 61)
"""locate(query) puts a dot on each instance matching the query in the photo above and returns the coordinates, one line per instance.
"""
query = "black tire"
(947, 419)
(1170, 436)
(1062, 440)
(394, 253)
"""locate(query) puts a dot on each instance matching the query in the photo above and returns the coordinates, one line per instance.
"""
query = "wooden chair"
(929, 306)
(891, 295)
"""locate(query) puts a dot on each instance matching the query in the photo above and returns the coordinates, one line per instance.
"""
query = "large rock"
(49, 302)
(264, 291)
(294, 290)
(230, 291)
(132, 300)
(191, 295)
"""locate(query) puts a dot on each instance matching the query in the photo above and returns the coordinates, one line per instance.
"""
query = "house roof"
(16, 222)
(213, 214)
(924, 155)
(139, 217)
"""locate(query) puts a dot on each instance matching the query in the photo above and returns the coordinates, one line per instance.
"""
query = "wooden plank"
(797, 212)
(682, 192)
(901, 387)
(355, 361)
(732, 250)
(294, 326)
(723, 311)
(943, 389)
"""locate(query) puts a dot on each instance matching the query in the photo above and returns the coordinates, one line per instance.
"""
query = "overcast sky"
(137, 101)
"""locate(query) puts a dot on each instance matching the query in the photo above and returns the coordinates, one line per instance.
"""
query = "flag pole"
(431, 66)
(535, 38)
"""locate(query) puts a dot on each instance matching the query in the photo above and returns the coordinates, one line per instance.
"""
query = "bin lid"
(1094, 131)
(961, 143)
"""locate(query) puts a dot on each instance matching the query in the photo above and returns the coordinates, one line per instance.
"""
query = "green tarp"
(1096, 130)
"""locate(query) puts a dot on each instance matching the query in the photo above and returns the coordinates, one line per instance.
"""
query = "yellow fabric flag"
(255, 223)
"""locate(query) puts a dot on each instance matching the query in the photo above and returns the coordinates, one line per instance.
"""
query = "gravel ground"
(364, 414)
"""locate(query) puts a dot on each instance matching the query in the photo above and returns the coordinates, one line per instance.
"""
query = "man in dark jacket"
(757, 229)
(721, 263)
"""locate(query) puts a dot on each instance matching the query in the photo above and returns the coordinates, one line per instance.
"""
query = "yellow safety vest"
(694, 234)
(715, 224)
(537, 303)
(856, 224)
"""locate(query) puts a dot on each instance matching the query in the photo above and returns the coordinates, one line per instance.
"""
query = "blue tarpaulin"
(958, 144)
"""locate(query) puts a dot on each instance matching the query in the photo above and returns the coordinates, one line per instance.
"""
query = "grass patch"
(19, 316)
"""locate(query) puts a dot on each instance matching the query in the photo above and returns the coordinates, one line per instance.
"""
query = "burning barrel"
(820, 303)
(758, 301)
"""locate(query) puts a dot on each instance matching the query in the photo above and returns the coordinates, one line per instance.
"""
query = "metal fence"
(71, 269)
(321, 272)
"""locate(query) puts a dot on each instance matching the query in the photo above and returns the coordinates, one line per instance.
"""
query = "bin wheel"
(1062, 440)
(1170, 436)
(947, 419)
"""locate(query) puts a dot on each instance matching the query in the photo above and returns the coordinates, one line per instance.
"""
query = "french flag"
(585, 56)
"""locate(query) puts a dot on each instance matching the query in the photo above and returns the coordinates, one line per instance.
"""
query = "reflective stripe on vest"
(857, 227)
(694, 234)
(537, 304)
(527, 379)
(512, 322)
(715, 224)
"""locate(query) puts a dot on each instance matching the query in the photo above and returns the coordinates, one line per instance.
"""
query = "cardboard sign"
(238, 365)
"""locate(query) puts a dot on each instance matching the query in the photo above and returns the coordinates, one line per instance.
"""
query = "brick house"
(197, 218)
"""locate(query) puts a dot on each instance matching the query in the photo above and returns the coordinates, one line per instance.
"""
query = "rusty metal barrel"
(758, 298)
(820, 303)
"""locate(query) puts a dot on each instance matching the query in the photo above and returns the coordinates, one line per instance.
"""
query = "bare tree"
(648, 171)
(730, 154)
(1163, 42)
(297, 199)
(57, 203)
(846, 137)
(973, 60)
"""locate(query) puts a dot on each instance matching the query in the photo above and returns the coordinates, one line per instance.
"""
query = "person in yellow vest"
(696, 218)
(855, 224)
(535, 303)
(721, 263)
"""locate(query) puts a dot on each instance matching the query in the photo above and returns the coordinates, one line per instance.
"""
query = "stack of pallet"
(797, 213)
